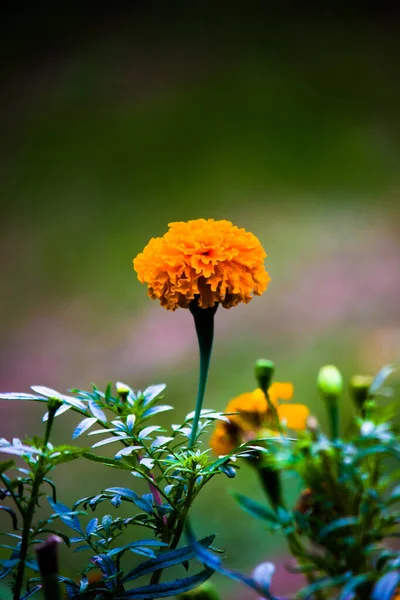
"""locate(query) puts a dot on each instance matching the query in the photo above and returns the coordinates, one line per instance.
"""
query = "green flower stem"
(333, 414)
(30, 509)
(204, 323)
(271, 482)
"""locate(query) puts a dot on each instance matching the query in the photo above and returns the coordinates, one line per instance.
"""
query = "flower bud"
(264, 370)
(205, 591)
(47, 557)
(359, 388)
(330, 382)
(122, 390)
(263, 573)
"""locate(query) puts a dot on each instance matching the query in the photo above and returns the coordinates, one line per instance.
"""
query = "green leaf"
(257, 510)
(83, 426)
(97, 412)
(152, 392)
(54, 395)
(386, 586)
(53, 488)
(125, 493)
(322, 584)
(155, 410)
(6, 465)
(17, 396)
(355, 582)
(166, 560)
(147, 431)
(380, 378)
(31, 592)
(127, 451)
(171, 588)
(130, 422)
(161, 440)
(12, 515)
(342, 523)
(91, 527)
(110, 440)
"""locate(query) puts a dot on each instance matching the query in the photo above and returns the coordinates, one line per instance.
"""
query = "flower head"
(254, 415)
(212, 261)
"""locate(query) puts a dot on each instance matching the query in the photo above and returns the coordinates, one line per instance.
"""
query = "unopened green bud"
(264, 371)
(122, 390)
(205, 591)
(359, 388)
(330, 382)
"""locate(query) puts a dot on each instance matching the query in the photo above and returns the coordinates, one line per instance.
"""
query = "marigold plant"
(253, 417)
(338, 531)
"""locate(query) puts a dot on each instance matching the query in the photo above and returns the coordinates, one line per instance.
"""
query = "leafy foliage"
(174, 474)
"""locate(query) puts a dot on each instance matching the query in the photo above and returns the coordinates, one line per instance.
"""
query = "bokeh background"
(118, 121)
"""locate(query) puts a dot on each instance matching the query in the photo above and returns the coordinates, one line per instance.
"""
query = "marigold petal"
(221, 441)
(280, 391)
(294, 416)
(214, 261)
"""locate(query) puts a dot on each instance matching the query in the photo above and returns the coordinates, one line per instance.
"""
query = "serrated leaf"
(97, 412)
(83, 426)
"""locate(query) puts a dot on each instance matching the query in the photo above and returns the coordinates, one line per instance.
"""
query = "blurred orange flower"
(254, 415)
(213, 261)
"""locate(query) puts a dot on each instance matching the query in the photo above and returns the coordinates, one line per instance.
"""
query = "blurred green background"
(116, 122)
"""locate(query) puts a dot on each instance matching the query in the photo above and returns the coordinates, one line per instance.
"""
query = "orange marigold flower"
(254, 414)
(213, 261)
